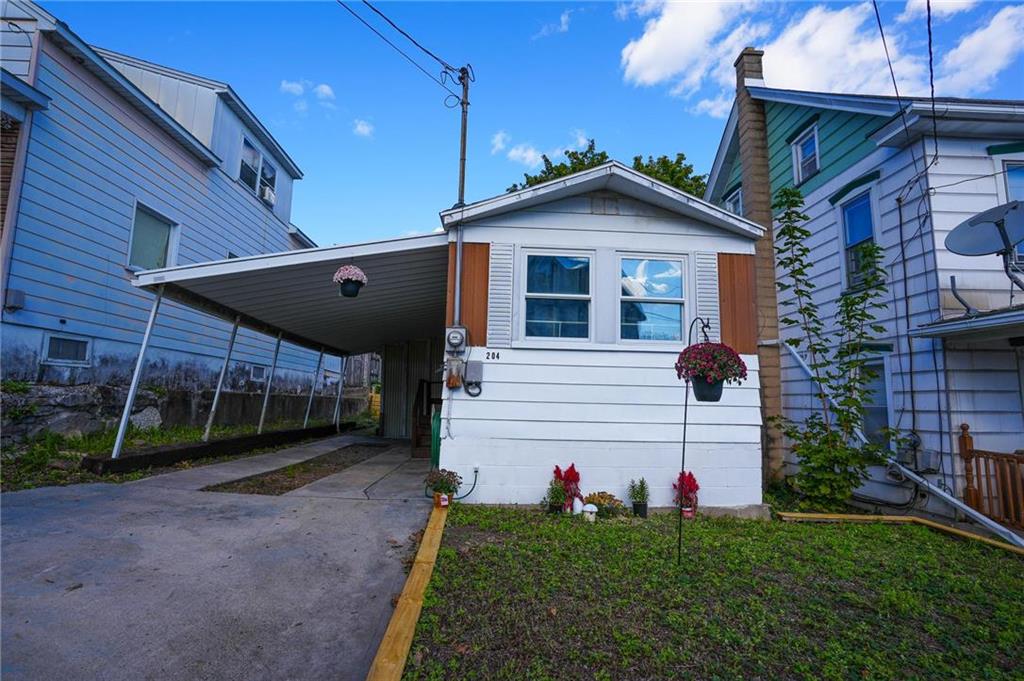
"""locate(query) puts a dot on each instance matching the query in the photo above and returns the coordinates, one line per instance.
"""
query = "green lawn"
(519, 595)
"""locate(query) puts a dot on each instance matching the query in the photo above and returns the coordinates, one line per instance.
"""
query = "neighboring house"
(869, 172)
(576, 297)
(114, 165)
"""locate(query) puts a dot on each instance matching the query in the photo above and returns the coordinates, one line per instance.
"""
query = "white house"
(576, 296)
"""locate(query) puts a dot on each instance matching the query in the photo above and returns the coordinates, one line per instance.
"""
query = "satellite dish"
(994, 231)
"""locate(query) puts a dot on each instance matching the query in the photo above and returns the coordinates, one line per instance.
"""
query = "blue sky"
(380, 150)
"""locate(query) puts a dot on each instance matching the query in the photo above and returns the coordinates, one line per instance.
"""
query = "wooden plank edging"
(897, 519)
(389, 662)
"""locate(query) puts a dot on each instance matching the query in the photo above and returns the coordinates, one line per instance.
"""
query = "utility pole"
(464, 78)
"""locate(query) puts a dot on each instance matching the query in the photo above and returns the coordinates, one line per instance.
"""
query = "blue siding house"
(119, 165)
(902, 174)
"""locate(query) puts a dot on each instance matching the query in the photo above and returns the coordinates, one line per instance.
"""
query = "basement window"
(258, 373)
(66, 350)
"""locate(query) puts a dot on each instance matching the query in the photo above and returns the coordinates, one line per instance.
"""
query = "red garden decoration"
(570, 479)
(686, 488)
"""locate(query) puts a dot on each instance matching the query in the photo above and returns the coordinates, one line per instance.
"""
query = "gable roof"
(611, 176)
(956, 116)
(224, 91)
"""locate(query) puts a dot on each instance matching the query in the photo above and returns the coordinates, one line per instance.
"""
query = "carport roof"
(291, 293)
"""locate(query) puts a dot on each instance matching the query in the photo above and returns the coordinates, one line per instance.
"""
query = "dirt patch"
(298, 475)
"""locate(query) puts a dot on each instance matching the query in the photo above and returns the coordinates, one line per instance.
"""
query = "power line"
(931, 82)
(442, 62)
(396, 48)
(892, 73)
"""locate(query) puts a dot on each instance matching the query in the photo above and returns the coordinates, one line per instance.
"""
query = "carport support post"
(220, 381)
(312, 391)
(270, 380)
(133, 388)
(337, 402)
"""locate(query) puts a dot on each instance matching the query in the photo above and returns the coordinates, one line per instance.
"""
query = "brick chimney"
(752, 130)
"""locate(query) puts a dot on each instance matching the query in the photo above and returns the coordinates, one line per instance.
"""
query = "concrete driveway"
(158, 580)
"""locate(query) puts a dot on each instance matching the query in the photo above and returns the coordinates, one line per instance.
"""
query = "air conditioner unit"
(268, 196)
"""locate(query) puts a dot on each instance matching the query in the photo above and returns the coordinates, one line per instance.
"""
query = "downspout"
(977, 516)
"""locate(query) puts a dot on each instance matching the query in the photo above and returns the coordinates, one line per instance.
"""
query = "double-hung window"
(651, 300)
(805, 155)
(876, 406)
(152, 240)
(1015, 192)
(249, 171)
(858, 233)
(557, 296)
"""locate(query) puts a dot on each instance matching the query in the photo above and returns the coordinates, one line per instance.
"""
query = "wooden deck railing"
(995, 481)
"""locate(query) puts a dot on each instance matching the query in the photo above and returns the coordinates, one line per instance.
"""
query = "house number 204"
(492, 354)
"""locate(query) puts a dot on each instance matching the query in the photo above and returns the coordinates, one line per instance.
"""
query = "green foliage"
(14, 387)
(443, 481)
(18, 412)
(675, 172)
(638, 491)
(608, 505)
(555, 494)
(833, 460)
(515, 595)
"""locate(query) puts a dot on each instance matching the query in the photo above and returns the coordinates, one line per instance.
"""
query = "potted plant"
(570, 481)
(349, 279)
(708, 366)
(555, 497)
(686, 494)
(639, 494)
(444, 484)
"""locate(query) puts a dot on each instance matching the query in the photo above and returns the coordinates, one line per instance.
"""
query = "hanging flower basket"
(708, 366)
(349, 279)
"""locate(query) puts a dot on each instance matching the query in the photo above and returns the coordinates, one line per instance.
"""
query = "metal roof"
(292, 292)
(1007, 322)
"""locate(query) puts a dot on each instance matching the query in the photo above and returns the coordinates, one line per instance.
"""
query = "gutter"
(977, 516)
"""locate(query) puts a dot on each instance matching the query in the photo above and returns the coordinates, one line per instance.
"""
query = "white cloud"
(580, 139)
(840, 51)
(527, 154)
(362, 128)
(676, 43)
(293, 87)
(301, 105)
(499, 141)
(972, 66)
(323, 91)
(717, 107)
(940, 8)
(561, 27)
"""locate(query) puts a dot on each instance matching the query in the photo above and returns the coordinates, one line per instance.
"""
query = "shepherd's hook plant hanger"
(705, 325)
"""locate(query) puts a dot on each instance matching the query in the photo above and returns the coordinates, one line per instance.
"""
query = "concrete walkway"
(157, 580)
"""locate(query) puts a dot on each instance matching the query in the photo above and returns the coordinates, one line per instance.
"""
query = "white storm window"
(734, 202)
(805, 155)
(652, 300)
(557, 296)
(152, 240)
(876, 406)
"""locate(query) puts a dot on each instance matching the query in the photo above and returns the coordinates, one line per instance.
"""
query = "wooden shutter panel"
(707, 293)
(499, 297)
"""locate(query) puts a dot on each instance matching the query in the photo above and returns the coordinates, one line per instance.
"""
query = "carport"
(290, 296)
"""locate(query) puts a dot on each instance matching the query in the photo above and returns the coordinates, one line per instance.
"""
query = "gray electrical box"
(474, 372)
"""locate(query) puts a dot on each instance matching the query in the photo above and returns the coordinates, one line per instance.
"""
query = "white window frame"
(840, 220)
(737, 195)
(798, 176)
(684, 301)
(252, 373)
(45, 354)
(172, 241)
(884, 358)
(521, 296)
(258, 191)
(1002, 164)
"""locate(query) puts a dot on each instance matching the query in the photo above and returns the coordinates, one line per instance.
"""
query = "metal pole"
(270, 380)
(133, 388)
(312, 391)
(464, 77)
(220, 381)
(682, 469)
(337, 403)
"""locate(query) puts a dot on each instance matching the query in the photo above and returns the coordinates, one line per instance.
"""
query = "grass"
(516, 594)
(51, 459)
